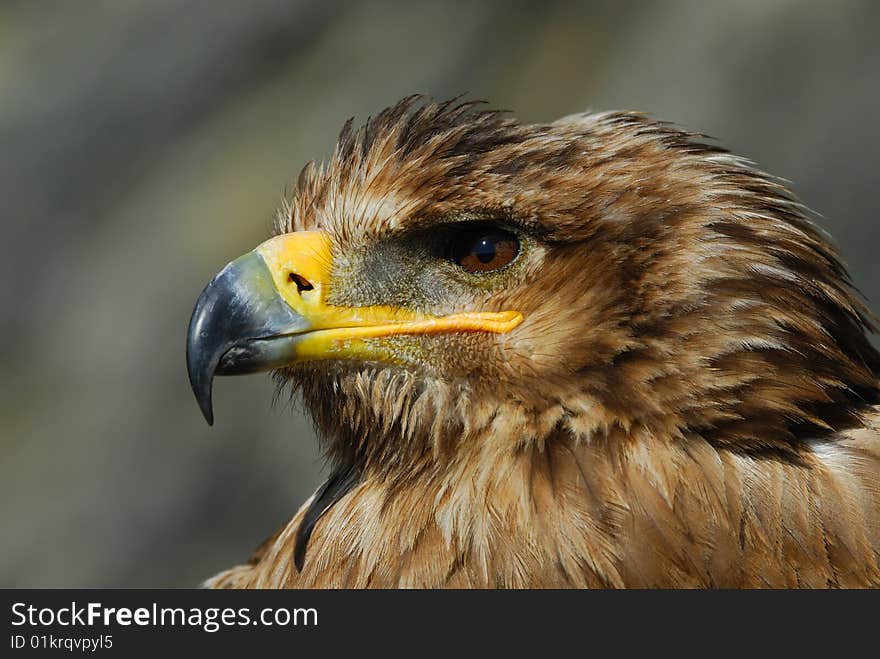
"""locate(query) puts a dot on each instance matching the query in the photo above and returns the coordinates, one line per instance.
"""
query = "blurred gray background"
(144, 143)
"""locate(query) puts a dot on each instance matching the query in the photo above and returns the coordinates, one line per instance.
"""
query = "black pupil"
(484, 248)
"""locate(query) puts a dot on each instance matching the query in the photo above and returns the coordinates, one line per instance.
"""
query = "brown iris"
(485, 249)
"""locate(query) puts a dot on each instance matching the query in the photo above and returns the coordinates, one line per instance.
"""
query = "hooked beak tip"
(201, 377)
(208, 412)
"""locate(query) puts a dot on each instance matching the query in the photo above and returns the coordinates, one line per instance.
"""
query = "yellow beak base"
(301, 264)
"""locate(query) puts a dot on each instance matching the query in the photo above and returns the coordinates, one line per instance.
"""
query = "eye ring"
(483, 249)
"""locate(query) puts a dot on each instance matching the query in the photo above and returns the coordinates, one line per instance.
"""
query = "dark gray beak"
(240, 325)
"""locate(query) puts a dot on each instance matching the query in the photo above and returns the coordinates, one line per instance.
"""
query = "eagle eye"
(483, 249)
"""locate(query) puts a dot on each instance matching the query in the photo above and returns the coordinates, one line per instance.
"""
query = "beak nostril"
(302, 284)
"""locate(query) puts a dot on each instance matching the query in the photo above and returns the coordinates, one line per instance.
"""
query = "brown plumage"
(689, 400)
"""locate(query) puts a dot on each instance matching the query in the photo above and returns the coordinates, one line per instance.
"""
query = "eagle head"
(452, 277)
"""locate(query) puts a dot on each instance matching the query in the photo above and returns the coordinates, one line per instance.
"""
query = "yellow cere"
(307, 254)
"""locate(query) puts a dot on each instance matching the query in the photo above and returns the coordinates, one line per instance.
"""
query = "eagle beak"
(268, 309)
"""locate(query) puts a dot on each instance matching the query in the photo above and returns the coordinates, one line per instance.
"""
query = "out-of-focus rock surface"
(145, 143)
